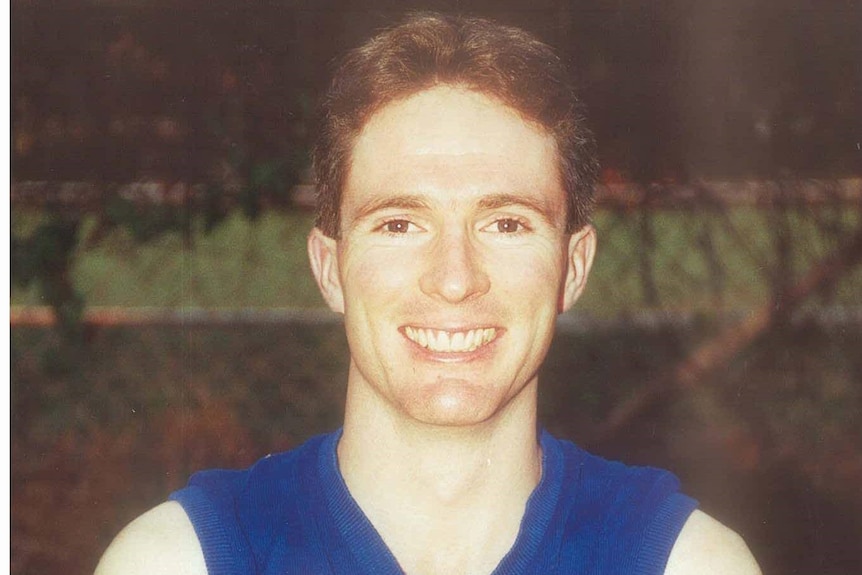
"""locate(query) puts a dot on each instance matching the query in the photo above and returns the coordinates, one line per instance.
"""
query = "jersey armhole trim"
(662, 533)
(225, 548)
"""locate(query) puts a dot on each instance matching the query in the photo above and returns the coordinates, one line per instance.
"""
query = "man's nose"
(454, 271)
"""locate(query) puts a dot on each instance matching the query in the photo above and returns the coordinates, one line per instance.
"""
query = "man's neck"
(438, 494)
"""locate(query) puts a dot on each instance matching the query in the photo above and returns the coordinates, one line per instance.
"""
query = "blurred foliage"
(708, 262)
(44, 257)
(236, 264)
(113, 100)
(217, 101)
(676, 91)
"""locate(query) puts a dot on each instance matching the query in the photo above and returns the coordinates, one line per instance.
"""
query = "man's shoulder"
(243, 504)
(707, 547)
(161, 541)
(628, 514)
(621, 485)
(651, 497)
(283, 469)
(586, 462)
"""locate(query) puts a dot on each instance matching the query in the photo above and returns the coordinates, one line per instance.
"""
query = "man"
(455, 179)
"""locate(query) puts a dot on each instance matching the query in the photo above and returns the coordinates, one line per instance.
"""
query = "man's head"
(450, 236)
(429, 50)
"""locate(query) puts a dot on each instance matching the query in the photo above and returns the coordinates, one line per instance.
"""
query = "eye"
(508, 226)
(397, 227)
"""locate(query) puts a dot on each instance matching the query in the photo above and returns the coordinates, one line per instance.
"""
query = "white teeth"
(469, 339)
(457, 341)
(451, 342)
(443, 341)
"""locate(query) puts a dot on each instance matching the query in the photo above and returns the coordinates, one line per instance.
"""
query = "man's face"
(453, 260)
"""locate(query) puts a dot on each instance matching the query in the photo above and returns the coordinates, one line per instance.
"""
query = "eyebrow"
(399, 202)
(489, 202)
(497, 201)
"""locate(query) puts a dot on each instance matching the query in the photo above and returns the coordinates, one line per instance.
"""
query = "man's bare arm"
(706, 547)
(159, 542)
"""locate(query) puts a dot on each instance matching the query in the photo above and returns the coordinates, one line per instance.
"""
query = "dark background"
(107, 419)
(676, 89)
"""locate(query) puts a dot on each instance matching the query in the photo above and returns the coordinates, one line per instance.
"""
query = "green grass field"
(671, 260)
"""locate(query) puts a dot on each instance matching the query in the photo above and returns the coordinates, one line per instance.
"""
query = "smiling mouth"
(443, 341)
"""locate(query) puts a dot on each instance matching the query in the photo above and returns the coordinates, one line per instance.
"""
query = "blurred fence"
(711, 248)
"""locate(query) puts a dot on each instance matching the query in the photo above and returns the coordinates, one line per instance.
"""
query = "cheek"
(374, 274)
(531, 276)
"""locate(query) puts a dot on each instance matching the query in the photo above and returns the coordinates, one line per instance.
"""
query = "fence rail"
(642, 320)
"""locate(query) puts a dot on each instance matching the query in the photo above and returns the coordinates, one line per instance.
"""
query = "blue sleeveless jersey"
(291, 513)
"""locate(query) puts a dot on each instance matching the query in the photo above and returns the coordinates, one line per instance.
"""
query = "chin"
(454, 404)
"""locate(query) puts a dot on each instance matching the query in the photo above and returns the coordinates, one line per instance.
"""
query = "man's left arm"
(706, 547)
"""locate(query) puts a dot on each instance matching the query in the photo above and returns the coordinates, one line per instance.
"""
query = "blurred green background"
(160, 204)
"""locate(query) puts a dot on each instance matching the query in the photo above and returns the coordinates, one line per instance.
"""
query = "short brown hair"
(428, 49)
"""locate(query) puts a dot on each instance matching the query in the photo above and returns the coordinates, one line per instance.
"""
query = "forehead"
(454, 140)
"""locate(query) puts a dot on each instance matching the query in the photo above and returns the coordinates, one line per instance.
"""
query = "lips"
(443, 341)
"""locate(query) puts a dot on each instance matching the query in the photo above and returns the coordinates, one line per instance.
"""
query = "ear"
(579, 260)
(322, 253)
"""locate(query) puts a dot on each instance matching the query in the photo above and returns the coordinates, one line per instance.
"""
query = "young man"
(455, 179)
